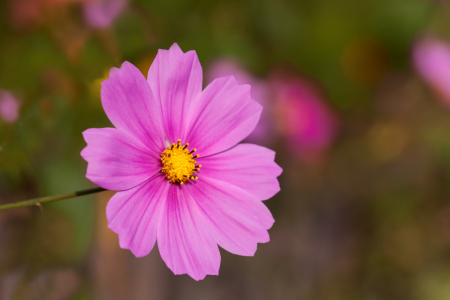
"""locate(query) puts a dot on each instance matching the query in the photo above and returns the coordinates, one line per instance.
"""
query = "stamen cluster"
(178, 163)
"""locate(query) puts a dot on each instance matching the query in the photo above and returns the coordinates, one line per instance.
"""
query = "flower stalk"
(42, 200)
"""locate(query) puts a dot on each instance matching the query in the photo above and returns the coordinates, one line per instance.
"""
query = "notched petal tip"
(245, 86)
(227, 79)
(90, 131)
(127, 64)
(112, 72)
(195, 276)
(84, 154)
(278, 170)
(175, 47)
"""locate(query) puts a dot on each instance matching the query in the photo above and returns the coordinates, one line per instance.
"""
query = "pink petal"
(130, 106)
(133, 214)
(176, 81)
(223, 116)
(184, 241)
(9, 107)
(117, 160)
(248, 166)
(237, 220)
(227, 66)
(432, 60)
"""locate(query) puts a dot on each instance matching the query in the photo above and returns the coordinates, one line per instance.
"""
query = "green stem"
(42, 200)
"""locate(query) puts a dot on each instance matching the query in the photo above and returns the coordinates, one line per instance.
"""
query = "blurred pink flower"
(303, 118)
(102, 13)
(228, 66)
(190, 203)
(9, 107)
(431, 58)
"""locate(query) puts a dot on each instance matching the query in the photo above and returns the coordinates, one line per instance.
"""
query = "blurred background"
(356, 98)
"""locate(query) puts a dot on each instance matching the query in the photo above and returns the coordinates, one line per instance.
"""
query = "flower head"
(303, 118)
(432, 60)
(174, 160)
(9, 107)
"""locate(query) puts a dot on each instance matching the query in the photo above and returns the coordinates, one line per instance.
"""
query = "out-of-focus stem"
(42, 200)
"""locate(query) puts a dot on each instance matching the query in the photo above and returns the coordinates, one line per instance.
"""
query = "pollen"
(178, 163)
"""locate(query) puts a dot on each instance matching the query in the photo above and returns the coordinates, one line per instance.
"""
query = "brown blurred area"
(117, 274)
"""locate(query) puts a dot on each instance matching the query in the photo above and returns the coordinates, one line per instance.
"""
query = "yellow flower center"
(178, 163)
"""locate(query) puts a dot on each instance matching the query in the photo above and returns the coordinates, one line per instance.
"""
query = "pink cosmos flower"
(9, 107)
(227, 66)
(174, 160)
(102, 13)
(432, 60)
(304, 119)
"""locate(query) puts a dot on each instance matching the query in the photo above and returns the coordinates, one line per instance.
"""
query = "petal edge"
(117, 160)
